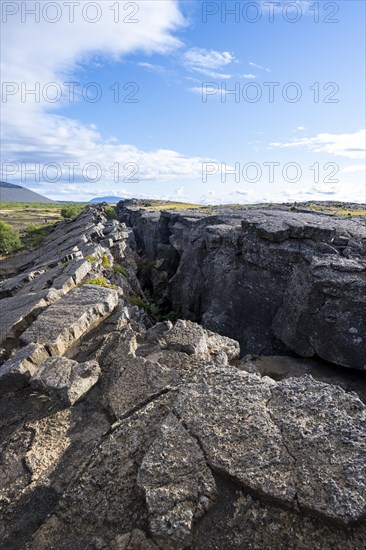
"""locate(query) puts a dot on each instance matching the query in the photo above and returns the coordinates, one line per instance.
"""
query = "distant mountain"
(15, 193)
(111, 200)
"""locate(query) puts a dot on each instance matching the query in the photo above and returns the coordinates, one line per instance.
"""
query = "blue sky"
(174, 132)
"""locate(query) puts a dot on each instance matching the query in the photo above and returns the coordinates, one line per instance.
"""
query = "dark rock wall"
(275, 280)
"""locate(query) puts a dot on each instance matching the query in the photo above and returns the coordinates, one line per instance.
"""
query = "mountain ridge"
(9, 192)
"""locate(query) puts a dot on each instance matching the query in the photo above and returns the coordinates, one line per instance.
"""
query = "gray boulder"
(65, 381)
(75, 315)
(17, 371)
(18, 312)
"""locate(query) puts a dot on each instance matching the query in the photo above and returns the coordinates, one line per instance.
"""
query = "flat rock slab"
(17, 371)
(299, 441)
(140, 381)
(324, 429)
(78, 270)
(72, 317)
(178, 485)
(104, 497)
(227, 412)
(19, 311)
(66, 381)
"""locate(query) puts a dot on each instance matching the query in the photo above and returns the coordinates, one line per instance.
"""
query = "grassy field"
(22, 216)
(31, 221)
(169, 205)
(338, 209)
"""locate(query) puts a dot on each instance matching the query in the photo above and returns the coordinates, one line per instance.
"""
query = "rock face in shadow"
(120, 432)
(273, 279)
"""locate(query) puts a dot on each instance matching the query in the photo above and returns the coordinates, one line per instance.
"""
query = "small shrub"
(160, 308)
(100, 281)
(9, 239)
(35, 234)
(91, 259)
(110, 213)
(120, 270)
(137, 301)
(105, 262)
(71, 211)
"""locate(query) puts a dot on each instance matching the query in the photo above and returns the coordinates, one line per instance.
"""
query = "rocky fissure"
(276, 280)
(119, 432)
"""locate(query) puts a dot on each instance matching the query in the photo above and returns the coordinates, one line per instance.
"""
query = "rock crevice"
(119, 432)
(276, 280)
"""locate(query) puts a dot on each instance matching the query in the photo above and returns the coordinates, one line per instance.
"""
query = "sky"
(195, 101)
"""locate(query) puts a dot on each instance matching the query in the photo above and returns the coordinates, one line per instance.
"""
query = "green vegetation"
(101, 281)
(22, 215)
(161, 205)
(110, 213)
(105, 262)
(357, 213)
(35, 234)
(337, 209)
(91, 259)
(10, 241)
(72, 211)
(137, 301)
(160, 308)
(157, 308)
(120, 270)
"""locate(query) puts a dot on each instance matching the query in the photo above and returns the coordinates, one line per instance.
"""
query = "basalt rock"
(65, 381)
(119, 432)
(274, 279)
(67, 321)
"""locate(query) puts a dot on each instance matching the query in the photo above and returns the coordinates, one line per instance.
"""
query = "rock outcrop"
(73, 316)
(120, 432)
(274, 279)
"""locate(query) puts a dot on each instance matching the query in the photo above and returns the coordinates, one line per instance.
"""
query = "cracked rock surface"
(120, 432)
(178, 484)
(274, 279)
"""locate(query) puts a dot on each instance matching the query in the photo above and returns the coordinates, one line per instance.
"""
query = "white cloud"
(301, 128)
(44, 52)
(354, 168)
(341, 191)
(197, 90)
(208, 62)
(344, 145)
(249, 75)
(153, 68)
(267, 69)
